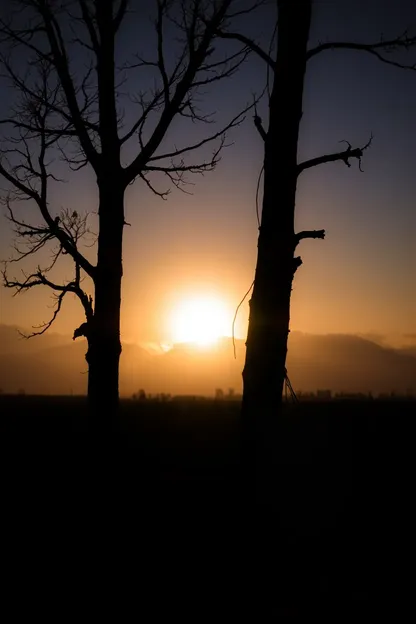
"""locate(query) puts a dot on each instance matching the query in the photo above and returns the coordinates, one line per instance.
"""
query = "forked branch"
(249, 43)
(59, 291)
(29, 240)
(344, 156)
(178, 84)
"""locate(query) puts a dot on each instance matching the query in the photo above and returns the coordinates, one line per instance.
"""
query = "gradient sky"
(361, 279)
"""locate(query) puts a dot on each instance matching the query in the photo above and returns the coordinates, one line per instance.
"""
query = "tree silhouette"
(264, 370)
(70, 90)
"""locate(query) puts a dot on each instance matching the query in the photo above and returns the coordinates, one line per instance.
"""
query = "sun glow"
(201, 320)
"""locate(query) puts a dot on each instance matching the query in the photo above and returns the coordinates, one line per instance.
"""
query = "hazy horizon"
(55, 364)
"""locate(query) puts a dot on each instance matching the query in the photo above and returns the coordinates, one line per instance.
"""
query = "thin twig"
(235, 316)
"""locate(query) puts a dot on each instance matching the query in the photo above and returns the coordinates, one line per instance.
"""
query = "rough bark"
(264, 370)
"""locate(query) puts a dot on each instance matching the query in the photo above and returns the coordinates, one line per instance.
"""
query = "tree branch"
(344, 156)
(147, 107)
(53, 132)
(236, 121)
(43, 327)
(259, 125)
(60, 62)
(162, 194)
(184, 86)
(250, 44)
(39, 279)
(53, 224)
(401, 42)
(119, 15)
(88, 21)
(161, 6)
(309, 234)
(36, 279)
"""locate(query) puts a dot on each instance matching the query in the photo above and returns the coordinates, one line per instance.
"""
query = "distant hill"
(348, 363)
(409, 351)
(54, 364)
(12, 342)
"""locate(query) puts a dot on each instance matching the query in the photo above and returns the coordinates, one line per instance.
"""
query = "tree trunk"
(104, 346)
(264, 370)
(104, 339)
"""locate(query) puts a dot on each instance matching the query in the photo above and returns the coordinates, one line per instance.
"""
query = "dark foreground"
(157, 526)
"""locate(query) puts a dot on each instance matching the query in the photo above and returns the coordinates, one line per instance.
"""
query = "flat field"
(157, 522)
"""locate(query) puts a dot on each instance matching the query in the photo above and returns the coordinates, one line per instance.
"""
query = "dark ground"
(156, 523)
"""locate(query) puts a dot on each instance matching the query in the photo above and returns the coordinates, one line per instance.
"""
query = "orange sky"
(341, 287)
(360, 279)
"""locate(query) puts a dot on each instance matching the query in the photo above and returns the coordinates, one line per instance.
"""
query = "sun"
(200, 320)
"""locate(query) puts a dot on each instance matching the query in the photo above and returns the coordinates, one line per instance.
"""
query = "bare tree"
(264, 372)
(69, 105)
